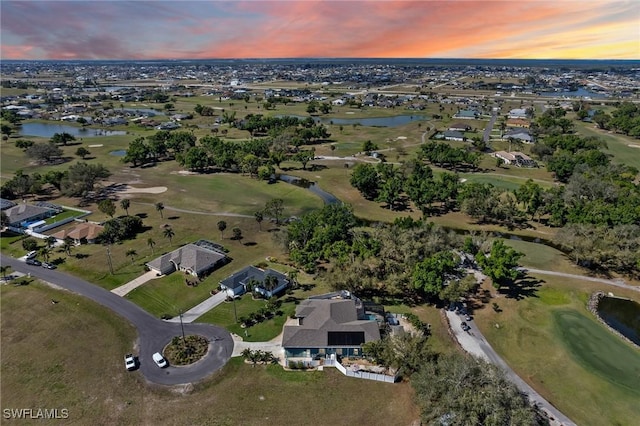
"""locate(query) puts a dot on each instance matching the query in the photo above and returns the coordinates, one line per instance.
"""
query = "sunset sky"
(99, 29)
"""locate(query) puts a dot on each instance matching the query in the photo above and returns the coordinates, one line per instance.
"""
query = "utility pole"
(182, 326)
(109, 259)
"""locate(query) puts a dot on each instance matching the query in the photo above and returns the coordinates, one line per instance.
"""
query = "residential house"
(518, 122)
(334, 324)
(266, 282)
(519, 134)
(467, 114)
(192, 259)
(83, 233)
(6, 204)
(23, 215)
(516, 158)
(517, 113)
(460, 127)
(453, 135)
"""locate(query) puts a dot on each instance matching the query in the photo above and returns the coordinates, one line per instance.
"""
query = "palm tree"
(168, 233)
(259, 218)
(67, 244)
(44, 252)
(3, 270)
(50, 241)
(222, 225)
(125, 203)
(159, 208)
(151, 243)
(132, 254)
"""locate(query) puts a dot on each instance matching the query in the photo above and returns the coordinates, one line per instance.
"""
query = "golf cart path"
(153, 333)
(614, 282)
(473, 342)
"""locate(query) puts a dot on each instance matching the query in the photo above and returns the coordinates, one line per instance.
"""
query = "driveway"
(197, 311)
(128, 287)
(474, 342)
(153, 333)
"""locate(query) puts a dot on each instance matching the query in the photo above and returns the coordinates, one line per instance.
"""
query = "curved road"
(153, 333)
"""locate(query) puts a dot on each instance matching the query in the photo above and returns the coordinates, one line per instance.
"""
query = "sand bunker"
(633, 145)
(96, 146)
(153, 190)
(401, 138)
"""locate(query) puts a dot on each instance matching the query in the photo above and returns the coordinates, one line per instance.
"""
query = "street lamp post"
(182, 326)
(235, 312)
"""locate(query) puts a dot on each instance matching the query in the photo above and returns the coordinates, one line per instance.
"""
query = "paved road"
(153, 333)
(474, 342)
(487, 130)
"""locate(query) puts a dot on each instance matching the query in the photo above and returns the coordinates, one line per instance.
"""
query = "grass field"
(51, 358)
(558, 347)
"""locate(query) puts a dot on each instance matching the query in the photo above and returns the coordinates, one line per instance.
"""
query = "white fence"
(360, 374)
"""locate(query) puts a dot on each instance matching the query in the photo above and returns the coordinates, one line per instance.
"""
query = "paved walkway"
(474, 342)
(197, 311)
(128, 287)
(614, 282)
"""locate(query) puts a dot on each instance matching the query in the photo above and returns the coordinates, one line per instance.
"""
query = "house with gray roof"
(266, 282)
(519, 133)
(454, 135)
(332, 324)
(191, 259)
(22, 215)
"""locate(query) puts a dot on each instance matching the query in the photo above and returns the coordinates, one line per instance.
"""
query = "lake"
(623, 315)
(47, 130)
(398, 120)
(580, 93)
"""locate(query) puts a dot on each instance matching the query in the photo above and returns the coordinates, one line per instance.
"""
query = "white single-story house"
(516, 158)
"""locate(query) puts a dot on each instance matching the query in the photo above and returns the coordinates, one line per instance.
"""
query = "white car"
(130, 362)
(159, 360)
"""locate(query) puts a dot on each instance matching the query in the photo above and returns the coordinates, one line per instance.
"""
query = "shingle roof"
(189, 256)
(23, 212)
(84, 230)
(324, 316)
(240, 278)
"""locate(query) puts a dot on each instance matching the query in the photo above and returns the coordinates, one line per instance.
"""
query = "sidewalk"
(128, 287)
(199, 310)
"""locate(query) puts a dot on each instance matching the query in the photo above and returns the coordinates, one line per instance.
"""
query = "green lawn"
(557, 346)
(617, 145)
(51, 358)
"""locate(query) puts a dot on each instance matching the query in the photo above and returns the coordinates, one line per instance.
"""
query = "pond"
(119, 153)
(395, 121)
(622, 315)
(47, 130)
(580, 93)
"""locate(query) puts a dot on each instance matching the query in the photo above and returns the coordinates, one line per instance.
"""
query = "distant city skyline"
(33, 30)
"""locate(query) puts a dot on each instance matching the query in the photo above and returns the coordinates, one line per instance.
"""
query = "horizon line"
(318, 58)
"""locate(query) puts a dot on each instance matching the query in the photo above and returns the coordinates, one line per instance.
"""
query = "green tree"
(107, 206)
(169, 234)
(43, 152)
(137, 153)
(67, 245)
(82, 152)
(125, 203)
(431, 274)
(132, 254)
(50, 241)
(44, 252)
(464, 390)
(3, 270)
(237, 234)
(365, 179)
(82, 178)
(222, 225)
(159, 208)
(29, 244)
(275, 208)
(259, 216)
(151, 243)
(62, 138)
(501, 263)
